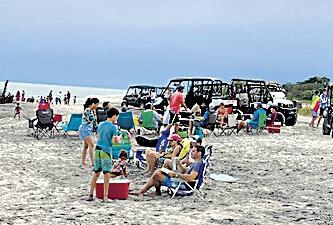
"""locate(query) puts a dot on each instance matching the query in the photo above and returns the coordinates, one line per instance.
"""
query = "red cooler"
(276, 128)
(118, 189)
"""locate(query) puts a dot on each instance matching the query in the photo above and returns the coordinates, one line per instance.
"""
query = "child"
(119, 167)
(103, 161)
(74, 100)
(17, 111)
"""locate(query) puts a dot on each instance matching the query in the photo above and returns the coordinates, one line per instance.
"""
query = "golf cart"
(197, 90)
(139, 95)
(328, 113)
(250, 92)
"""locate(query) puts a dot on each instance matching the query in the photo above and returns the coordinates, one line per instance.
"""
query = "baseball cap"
(174, 137)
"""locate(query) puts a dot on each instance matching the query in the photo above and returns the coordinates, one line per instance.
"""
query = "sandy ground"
(283, 179)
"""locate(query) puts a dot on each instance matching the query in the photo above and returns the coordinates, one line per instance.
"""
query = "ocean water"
(81, 93)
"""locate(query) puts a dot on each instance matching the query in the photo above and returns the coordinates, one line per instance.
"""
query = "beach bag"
(146, 142)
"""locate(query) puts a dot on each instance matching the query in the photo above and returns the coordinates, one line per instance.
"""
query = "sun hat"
(174, 137)
(196, 108)
(211, 105)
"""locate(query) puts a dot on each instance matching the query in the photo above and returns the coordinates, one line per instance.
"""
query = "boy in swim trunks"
(103, 160)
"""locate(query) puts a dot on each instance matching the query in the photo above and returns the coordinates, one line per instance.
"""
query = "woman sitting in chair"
(222, 113)
(154, 158)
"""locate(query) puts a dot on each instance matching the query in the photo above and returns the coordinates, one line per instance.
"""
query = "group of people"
(319, 104)
(20, 96)
(100, 154)
(59, 96)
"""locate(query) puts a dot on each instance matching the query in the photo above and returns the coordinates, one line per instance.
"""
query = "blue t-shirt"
(106, 131)
(194, 167)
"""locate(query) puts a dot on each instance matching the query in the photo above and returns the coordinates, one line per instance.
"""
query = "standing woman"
(89, 121)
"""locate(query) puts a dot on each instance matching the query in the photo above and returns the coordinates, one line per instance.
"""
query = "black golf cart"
(197, 90)
(250, 92)
(139, 95)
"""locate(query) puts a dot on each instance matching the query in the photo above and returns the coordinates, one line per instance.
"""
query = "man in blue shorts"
(103, 160)
(189, 174)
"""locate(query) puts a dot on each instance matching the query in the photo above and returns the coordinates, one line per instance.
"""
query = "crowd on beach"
(59, 97)
(187, 166)
(49, 99)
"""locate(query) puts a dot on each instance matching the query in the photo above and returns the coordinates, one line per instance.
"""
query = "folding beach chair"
(123, 144)
(183, 187)
(147, 119)
(231, 126)
(44, 125)
(125, 121)
(262, 122)
(101, 114)
(74, 123)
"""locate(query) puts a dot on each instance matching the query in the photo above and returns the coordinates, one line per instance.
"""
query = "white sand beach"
(284, 178)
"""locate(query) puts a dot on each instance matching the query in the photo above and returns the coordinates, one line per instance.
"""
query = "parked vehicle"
(200, 90)
(139, 95)
(249, 92)
(328, 113)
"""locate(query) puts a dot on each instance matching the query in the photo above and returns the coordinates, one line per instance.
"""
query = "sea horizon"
(37, 90)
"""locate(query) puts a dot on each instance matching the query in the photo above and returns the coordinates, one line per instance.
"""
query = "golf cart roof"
(194, 78)
(248, 80)
(142, 86)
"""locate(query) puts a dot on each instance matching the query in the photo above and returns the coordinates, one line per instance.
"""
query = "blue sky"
(116, 43)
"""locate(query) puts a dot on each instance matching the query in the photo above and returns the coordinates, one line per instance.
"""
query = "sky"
(113, 44)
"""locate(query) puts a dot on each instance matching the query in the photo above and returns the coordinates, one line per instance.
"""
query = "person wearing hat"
(254, 122)
(197, 118)
(177, 100)
(154, 158)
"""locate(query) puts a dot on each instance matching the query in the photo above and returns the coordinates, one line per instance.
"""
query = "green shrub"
(304, 111)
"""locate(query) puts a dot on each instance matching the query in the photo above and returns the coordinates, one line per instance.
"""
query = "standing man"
(68, 97)
(314, 108)
(177, 100)
(323, 105)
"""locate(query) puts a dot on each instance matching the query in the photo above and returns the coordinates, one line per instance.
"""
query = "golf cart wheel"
(326, 129)
(291, 122)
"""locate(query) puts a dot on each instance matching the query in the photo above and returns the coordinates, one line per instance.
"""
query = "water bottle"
(174, 163)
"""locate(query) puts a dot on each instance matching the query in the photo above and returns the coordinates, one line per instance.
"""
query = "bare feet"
(106, 200)
(138, 193)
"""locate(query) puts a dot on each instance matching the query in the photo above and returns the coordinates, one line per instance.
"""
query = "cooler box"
(118, 189)
(276, 128)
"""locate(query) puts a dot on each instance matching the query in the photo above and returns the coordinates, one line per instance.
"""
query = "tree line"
(304, 90)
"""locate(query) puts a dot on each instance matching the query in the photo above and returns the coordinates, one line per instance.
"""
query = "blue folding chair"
(125, 121)
(183, 188)
(74, 123)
